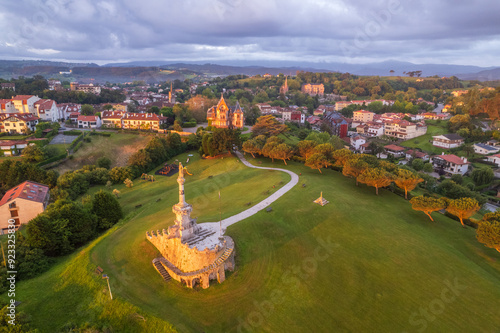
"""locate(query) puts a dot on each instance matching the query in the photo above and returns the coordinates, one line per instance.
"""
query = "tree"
(268, 148)
(251, 147)
(417, 164)
(282, 152)
(427, 204)
(107, 107)
(119, 174)
(116, 193)
(87, 110)
(268, 126)
(428, 167)
(33, 153)
(375, 148)
(407, 180)
(341, 156)
(251, 115)
(482, 176)
(488, 231)
(354, 167)
(104, 162)
(463, 208)
(306, 148)
(107, 209)
(317, 161)
(376, 177)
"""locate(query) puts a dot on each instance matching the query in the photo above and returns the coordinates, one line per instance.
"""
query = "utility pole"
(105, 276)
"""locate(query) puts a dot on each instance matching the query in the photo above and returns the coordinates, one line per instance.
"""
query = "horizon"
(319, 32)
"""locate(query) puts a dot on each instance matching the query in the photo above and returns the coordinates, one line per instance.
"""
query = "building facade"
(18, 123)
(447, 140)
(224, 116)
(450, 164)
(313, 89)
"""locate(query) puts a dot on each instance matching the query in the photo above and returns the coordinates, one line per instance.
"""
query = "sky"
(347, 31)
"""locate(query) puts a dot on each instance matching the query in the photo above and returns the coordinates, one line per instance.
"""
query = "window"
(30, 197)
(14, 213)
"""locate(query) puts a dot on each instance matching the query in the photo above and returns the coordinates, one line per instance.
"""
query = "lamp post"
(105, 276)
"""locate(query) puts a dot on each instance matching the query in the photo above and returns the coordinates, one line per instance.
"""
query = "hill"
(362, 263)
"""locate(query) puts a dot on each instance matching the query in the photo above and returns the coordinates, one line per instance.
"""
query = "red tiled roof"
(28, 190)
(87, 118)
(453, 159)
(21, 116)
(394, 147)
(22, 97)
(5, 143)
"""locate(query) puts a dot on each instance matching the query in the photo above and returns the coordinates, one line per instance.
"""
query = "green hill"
(362, 263)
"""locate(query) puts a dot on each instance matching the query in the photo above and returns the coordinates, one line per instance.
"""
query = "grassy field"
(118, 147)
(362, 263)
(424, 142)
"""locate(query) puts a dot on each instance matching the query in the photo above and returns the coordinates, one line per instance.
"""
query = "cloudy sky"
(353, 31)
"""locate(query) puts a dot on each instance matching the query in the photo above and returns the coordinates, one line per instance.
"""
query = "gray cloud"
(447, 31)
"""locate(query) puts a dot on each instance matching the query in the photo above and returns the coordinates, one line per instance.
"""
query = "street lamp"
(105, 276)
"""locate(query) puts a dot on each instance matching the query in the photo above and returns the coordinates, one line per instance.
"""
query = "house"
(315, 122)
(357, 141)
(403, 129)
(88, 88)
(20, 123)
(23, 203)
(88, 121)
(66, 109)
(6, 106)
(362, 129)
(484, 149)
(395, 150)
(337, 122)
(410, 154)
(8, 85)
(26, 103)
(313, 89)
(145, 121)
(364, 148)
(494, 159)
(493, 143)
(224, 116)
(447, 140)
(112, 119)
(362, 116)
(450, 164)
(47, 110)
(376, 130)
(12, 147)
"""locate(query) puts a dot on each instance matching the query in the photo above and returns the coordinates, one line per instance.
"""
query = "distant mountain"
(486, 75)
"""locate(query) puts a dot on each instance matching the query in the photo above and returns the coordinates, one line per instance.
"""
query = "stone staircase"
(204, 233)
(159, 267)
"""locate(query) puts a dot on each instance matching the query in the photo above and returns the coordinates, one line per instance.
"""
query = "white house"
(410, 154)
(357, 141)
(88, 122)
(447, 140)
(12, 147)
(494, 159)
(484, 149)
(451, 164)
(47, 110)
(376, 130)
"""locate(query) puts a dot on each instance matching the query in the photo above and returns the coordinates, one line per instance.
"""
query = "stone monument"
(190, 253)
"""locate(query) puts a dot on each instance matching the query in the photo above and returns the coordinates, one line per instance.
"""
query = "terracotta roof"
(28, 190)
(22, 97)
(5, 143)
(21, 116)
(394, 147)
(363, 111)
(452, 159)
(141, 116)
(45, 104)
(112, 114)
(87, 118)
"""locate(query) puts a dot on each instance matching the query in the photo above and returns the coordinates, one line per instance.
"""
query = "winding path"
(261, 205)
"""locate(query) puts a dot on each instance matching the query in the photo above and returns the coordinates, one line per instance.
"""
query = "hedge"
(189, 124)
(52, 159)
(39, 143)
(72, 132)
(101, 134)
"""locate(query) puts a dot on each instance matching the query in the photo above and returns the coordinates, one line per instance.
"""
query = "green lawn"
(13, 137)
(362, 263)
(424, 142)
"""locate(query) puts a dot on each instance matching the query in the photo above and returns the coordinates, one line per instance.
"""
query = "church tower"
(284, 87)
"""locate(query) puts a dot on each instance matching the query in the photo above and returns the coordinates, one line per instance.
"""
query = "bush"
(72, 132)
(101, 134)
(104, 162)
(189, 124)
(52, 159)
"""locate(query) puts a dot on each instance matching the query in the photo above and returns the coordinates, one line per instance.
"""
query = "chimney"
(442, 153)
(465, 159)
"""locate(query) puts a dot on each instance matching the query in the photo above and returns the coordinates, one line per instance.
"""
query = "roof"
(452, 159)
(485, 146)
(5, 143)
(87, 118)
(28, 190)
(417, 153)
(22, 97)
(363, 111)
(112, 114)
(45, 104)
(452, 136)
(141, 116)
(394, 147)
(21, 116)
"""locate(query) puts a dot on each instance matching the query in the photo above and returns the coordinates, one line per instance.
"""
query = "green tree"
(251, 115)
(104, 162)
(488, 231)
(428, 167)
(407, 180)
(317, 161)
(252, 147)
(107, 209)
(427, 204)
(118, 174)
(463, 208)
(268, 126)
(282, 152)
(482, 176)
(355, 166)
(33, 153)
(417, 164)
(376, 177)
(87, 110)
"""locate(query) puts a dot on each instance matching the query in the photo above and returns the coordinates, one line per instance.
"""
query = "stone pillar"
(205, 281)
(221, 275)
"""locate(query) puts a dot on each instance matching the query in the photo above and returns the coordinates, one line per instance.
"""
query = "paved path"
(261, 205)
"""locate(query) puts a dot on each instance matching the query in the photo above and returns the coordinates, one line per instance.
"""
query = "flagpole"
(220, 219)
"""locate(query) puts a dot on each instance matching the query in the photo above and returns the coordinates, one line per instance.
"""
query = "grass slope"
(382, 265)
(424, 142)
(118, 147)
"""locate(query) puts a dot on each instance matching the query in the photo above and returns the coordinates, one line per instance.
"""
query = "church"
(224, 116)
